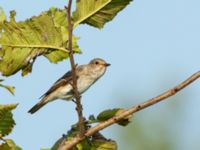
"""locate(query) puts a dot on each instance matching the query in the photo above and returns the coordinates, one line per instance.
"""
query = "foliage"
(2, 15)
(46, 34)
(97, 12)
(6, 119)
(22, 42)
(94, 142)
(107, 114)
(6, 126)
(11, 89)
(9, 145)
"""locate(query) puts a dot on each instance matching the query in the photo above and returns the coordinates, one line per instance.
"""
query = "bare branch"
(74, 74)
(69, 144)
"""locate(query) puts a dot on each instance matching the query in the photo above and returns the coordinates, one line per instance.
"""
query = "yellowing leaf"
(97, 12)
(22, 42)
(11, 89)
(2, 15)
(9, 145)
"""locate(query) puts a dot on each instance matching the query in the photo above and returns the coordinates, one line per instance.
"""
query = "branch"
(69, 144)
(74, 74)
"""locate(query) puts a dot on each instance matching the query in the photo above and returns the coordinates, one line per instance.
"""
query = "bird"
(86, 76)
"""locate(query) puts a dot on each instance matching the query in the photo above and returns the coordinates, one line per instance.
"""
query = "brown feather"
(60, 82)
(38, 106)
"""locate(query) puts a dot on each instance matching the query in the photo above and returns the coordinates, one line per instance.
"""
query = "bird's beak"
(107, 64)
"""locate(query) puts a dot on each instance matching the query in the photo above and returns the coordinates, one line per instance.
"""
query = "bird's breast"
(64, 92)
(84, 82)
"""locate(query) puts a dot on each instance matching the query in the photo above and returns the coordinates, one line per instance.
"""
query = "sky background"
(152, 46)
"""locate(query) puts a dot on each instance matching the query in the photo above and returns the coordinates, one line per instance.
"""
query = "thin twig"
(74, 74)
(69, 144)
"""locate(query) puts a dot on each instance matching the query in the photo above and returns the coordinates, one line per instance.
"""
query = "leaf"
(84, 144)
(95, 142)
(81, 146)
(6, 119)
(104, 145)
(97, 12)
(9, 145)
(22, 42)
(11, 89)
(92, 119)
(99, 142)
(57, 143)
(2, 15)
(107, 114)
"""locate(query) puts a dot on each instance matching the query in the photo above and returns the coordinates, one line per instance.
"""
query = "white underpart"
(83, 83)
(61, 93)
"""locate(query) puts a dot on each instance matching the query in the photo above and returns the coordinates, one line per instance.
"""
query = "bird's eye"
(96, 62)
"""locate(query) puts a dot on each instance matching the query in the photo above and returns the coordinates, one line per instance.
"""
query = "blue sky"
(152, 46)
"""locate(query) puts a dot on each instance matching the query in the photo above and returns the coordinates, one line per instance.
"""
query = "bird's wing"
(66, 78)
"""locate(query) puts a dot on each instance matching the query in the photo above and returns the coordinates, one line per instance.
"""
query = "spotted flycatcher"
(62, 89)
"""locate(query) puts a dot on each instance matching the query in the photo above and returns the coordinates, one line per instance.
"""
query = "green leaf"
(9, 145)
(97, 12)
(22, 42)
(107, 114)
(6, 119)
(103, 144)
(11, 89)
(99, 142)
(81, 146)
(57, 143)
(92, 119)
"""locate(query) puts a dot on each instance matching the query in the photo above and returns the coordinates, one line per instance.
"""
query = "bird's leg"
(73, 100)
(80, 105)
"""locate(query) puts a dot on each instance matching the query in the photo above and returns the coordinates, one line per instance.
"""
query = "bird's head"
(99, 65)
(99, 62)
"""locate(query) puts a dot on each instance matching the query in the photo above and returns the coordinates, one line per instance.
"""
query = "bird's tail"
(38, 105)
